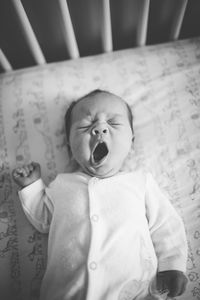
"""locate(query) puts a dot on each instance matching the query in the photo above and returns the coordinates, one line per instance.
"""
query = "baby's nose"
(100, 129)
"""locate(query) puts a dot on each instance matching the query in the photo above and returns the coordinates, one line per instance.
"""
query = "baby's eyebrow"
(117, 115)
(87, 113)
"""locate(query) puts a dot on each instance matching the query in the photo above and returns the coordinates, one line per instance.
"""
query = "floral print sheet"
(162, 85)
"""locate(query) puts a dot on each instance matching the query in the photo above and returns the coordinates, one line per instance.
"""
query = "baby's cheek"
(81, 151)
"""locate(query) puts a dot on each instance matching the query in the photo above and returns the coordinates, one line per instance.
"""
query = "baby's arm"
(36, 204)
(26, 174)
(169, 239)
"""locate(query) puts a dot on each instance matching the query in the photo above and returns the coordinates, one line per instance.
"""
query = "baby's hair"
(68, 114)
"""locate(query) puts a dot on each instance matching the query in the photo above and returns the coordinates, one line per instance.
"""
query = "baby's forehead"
(103, 102)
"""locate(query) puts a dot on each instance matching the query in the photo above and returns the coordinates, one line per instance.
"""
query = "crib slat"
(143, 23)
(70, 39)
(4, 62)
(28, 32)
(176, 25)
(106, 27)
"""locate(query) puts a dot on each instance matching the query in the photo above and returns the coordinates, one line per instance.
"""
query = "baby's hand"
(173, 281)
(26, 174)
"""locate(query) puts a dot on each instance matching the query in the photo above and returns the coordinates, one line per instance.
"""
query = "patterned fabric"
(162, 85)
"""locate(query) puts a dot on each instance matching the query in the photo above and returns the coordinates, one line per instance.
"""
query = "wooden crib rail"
(29, 33)
(4, 62)
(107, 27)
(69, 37)
(178, 20)
(143, 24)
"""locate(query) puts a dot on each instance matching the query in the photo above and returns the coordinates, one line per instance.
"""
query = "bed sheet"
(162, 85)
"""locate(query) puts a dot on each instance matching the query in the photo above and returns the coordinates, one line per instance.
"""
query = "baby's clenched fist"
(26, 174)
(172, 281)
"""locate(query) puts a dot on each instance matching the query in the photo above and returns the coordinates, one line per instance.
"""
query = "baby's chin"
(99, 172)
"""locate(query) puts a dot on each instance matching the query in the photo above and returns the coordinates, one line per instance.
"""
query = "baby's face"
(101, 135)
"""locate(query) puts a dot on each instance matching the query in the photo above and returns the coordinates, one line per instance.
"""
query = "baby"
(111, 233)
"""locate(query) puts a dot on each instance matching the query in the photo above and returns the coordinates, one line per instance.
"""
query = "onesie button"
(95, 218)
(93, 265)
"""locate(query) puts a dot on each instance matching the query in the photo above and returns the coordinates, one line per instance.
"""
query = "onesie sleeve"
(37, 206)
(166, 229)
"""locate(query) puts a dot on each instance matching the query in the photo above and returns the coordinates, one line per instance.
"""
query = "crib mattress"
(161, 83)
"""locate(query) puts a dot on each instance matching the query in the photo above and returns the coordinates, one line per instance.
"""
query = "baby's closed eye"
(115, 122)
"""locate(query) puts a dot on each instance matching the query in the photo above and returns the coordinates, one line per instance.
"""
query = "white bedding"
(161, 84)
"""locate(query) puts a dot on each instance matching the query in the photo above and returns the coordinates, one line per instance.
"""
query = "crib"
(53, 52)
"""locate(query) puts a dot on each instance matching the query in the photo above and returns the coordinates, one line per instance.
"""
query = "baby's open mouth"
(99, 153)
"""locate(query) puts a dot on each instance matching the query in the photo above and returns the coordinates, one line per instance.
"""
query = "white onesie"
(107, 237)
